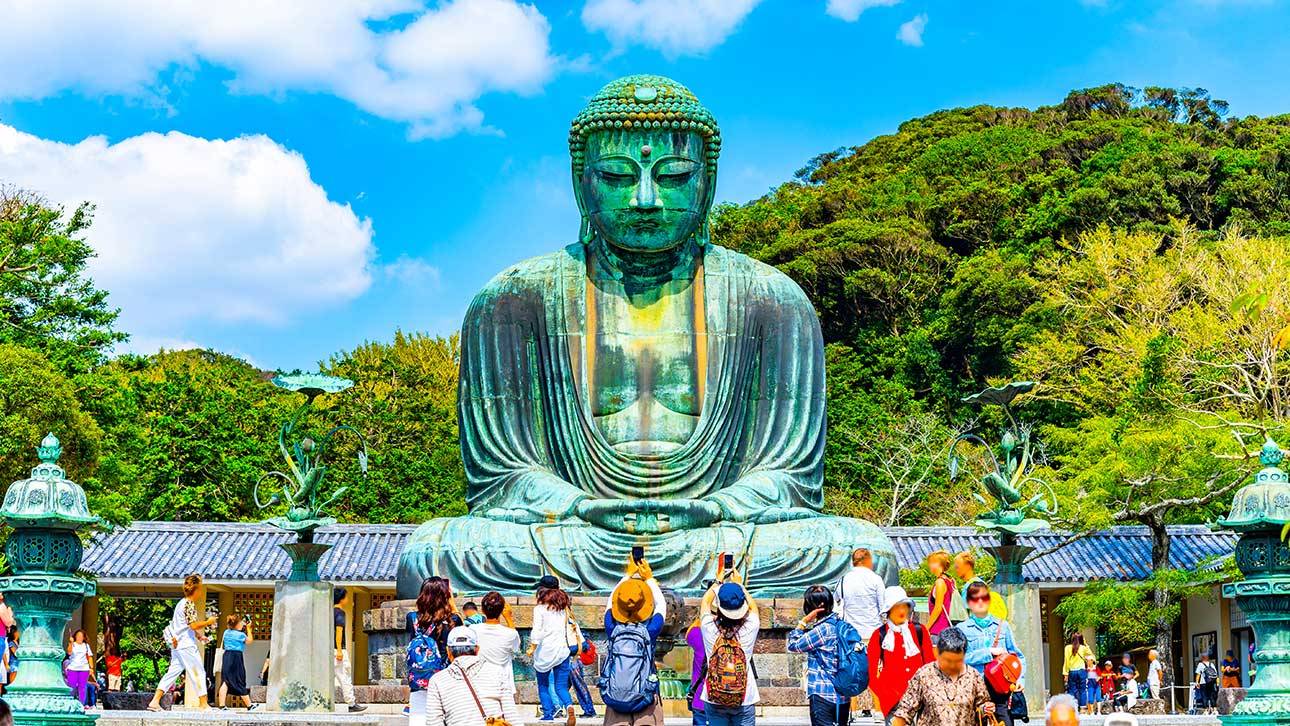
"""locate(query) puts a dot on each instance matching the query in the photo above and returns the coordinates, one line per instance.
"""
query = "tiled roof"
(1120, 553)
(223, 551)
(370, 552)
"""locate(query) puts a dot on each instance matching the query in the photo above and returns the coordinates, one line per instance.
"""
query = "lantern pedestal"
(1259, 511)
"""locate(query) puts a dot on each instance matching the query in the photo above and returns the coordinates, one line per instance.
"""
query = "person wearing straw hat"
(897, 649)
(629, 679)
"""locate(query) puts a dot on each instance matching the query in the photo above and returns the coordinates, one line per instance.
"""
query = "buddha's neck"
(650, 268)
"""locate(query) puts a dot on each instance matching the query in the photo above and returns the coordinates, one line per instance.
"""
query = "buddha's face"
(645, 191)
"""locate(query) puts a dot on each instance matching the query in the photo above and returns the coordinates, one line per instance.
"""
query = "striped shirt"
(449, 702)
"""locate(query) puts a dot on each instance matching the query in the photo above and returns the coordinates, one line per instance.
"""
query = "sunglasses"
(979, 598)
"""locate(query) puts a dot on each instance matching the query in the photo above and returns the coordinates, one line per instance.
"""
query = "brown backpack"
(727, 666)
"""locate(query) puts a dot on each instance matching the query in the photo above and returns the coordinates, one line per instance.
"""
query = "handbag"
(1004, 672)
(1017, 707)
(488, 720)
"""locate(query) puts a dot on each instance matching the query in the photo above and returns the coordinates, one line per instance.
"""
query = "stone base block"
(131, 700)
(1228, 698)
(301, 662)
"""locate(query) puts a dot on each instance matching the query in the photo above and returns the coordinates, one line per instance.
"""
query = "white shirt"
(79, 660)
(550, 635)
(180, 628)
(747, 636)
(499, 645)
(449, 702)
(859, 600)
(1154, 670)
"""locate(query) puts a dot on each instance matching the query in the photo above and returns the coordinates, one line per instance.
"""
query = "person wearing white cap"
(896, 650)
(470, 690)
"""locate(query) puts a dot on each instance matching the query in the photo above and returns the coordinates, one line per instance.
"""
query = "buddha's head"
(644, 165)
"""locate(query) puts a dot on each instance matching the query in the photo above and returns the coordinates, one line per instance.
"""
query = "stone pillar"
(1025, 616)
(301, 660)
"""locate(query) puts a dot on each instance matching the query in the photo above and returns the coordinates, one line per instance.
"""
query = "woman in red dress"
(897, 649)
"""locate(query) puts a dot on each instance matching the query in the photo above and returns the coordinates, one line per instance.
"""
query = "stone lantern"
(45, 512)
(1260, 512)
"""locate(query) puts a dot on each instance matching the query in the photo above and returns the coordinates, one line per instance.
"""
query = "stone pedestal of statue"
(301, 654)
(1024, 616)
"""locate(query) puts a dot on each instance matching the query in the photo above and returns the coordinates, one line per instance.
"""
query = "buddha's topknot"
(644, 102)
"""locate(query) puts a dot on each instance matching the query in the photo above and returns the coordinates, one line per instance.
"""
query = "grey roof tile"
(226, 551)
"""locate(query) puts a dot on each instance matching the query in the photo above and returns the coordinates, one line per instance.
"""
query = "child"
(470, 614)
(1107, 679)
(1092, 688)
(236, 636)
(577, 677)
(1128, 697)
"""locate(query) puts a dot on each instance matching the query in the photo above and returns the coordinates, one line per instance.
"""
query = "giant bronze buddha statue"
(641, 386)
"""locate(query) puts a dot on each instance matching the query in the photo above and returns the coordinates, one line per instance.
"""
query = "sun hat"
(632, 601)
(462, 637)
(548, 582)
(893, 596)
(731, 601)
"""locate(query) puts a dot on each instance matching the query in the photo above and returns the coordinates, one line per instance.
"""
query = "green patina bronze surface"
(641, 386)
(45, 511)
(1260, 511)
(1016, 492)
(302, 490)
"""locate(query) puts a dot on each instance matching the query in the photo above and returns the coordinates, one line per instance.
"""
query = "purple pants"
(79, 681)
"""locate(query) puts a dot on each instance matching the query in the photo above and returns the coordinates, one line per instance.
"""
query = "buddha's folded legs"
(479, 555)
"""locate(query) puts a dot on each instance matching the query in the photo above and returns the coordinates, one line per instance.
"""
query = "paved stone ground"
(180, 717)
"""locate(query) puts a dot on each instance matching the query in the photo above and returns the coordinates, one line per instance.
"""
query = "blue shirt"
(820, 644)
(980, 639)
(234, 640)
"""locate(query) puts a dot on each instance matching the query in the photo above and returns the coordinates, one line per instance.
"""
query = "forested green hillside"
(1127, 249)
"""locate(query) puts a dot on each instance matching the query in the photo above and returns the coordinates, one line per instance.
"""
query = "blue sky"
(288, 183)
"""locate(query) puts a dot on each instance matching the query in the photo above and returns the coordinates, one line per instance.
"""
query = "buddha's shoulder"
(536, 274)
(763, 277)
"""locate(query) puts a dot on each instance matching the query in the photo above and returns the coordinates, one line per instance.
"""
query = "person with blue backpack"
(434, 619)
(836, 667)
(633, 621)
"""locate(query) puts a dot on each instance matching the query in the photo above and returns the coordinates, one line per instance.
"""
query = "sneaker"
(355, 708)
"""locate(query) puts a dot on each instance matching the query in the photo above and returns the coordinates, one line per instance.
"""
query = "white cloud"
(191, 231)
(676, 27)
(427, 72)
(413, 272)
(850, 10)
(911, 33)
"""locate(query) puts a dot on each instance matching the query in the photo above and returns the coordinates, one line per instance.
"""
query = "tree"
(1166, 385)
(46, 302)
(37, 399)
(404, 401)
(187, 434)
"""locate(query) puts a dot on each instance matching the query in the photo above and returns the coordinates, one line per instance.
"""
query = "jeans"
(1077, 686)
(726, 716)
(560, 676)
(1000, 701)
(827, 713)
(698, 717)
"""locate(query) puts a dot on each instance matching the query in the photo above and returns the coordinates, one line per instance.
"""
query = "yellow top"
(1076, 661)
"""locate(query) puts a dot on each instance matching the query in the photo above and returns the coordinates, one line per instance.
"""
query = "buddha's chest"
(644, 367)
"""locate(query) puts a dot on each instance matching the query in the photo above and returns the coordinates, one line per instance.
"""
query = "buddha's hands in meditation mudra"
(649, 516)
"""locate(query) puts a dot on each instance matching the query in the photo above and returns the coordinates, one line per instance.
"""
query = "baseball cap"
(548, 582)
(462, 637)
(731, 601)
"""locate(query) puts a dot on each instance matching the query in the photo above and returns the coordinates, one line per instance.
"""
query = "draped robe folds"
(532, 449)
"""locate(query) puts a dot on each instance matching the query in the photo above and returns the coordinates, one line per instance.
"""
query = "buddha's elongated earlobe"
(586, 234)
(701, 235)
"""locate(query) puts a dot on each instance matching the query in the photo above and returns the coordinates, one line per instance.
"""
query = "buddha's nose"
(646, 192)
